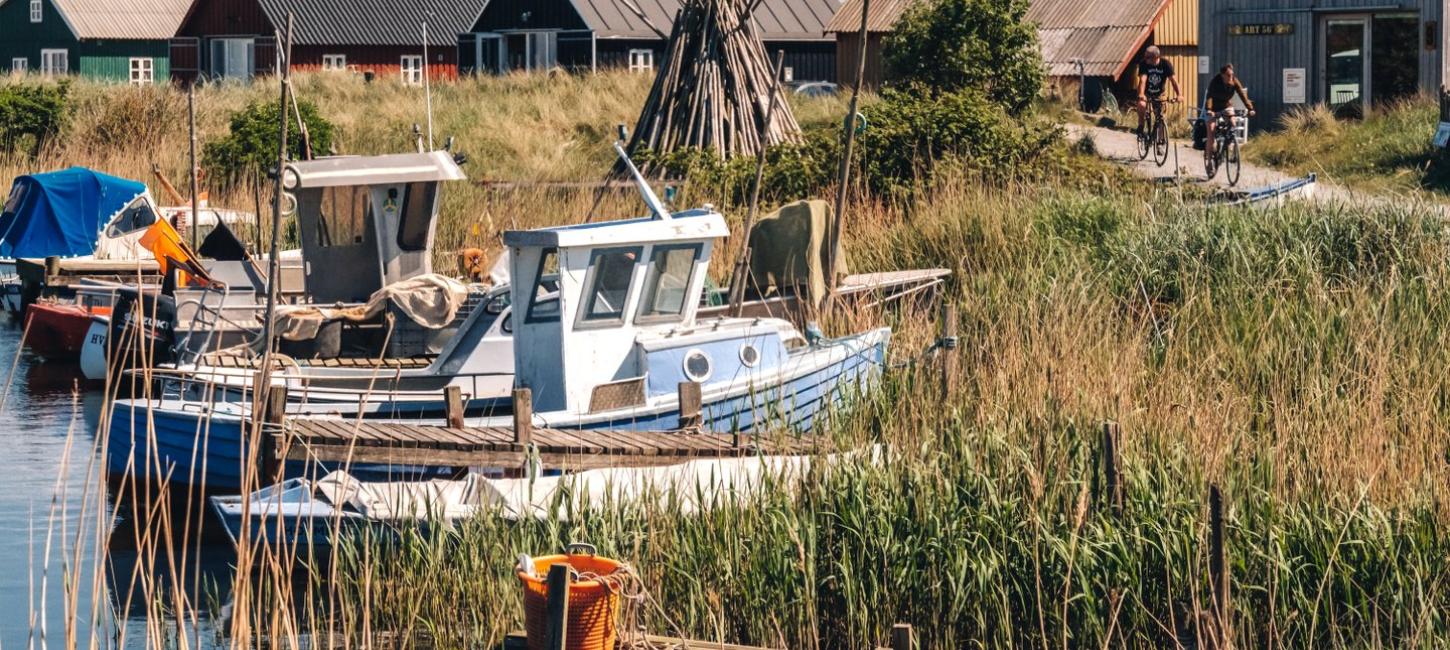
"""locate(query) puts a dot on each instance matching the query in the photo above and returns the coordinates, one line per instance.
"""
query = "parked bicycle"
(1223, 150)
(1154, 136)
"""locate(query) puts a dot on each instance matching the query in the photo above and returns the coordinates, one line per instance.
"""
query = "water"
(54, 497)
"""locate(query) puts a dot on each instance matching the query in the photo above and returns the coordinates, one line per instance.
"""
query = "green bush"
(251, 146)
(32, 114)
(949, 46)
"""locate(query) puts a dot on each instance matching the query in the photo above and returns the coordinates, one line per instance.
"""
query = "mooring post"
(1218, 568)
(1113, 467)
(523, 417)
(949, 350)
(689, 393)
(453, 405)
(272, 434)
(902, 638)
(556, 608)
(52, 267)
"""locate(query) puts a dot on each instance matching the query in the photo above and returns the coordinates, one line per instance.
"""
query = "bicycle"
(1154, 135)
(1225, 152)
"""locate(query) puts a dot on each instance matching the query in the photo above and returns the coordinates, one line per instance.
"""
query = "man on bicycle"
(1155, 74)
(1221, 91)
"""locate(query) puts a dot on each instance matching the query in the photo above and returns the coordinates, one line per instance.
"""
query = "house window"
(35, 11)
(334, 62)
(412, 65)
(543, 50)
(641, 60)
(54, 62)
(232, 58)
(19, 65)
(142, 71)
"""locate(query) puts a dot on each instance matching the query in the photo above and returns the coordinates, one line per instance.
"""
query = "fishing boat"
(57, 331)
(605, 329)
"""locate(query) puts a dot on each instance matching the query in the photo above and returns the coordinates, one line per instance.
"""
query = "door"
(490, 54)
(232, 58)
(1345, 62)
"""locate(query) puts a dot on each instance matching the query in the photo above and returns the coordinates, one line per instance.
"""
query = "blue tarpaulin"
(62, 213)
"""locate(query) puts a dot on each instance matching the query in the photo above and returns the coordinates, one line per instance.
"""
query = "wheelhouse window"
(641, 60)
(416, 216)
(343, 215)
(143, 71)
(544, 304)
(334, 62)
(668, 283)
(412, 66)
(36, 11)
(611, 272)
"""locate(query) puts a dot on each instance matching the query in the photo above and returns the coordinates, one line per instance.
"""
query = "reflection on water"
(56, 510)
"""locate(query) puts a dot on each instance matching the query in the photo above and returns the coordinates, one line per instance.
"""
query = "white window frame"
(334, 62)
(19, 65)
(37, 11)
(48, 63)
(143, 71)
(641, 60)
(411, 68)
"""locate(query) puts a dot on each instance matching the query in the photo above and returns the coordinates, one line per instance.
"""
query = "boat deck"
(410, 444)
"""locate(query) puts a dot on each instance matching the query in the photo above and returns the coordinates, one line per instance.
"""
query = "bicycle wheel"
(1160, 142)
(1210, 166)
(1143, 142)
(1232, 164)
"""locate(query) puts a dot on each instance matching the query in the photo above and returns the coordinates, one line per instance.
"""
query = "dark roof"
(373, 22)
(779, 20)
(1103, 35)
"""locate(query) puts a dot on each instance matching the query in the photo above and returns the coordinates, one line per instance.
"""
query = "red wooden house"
(237, 39)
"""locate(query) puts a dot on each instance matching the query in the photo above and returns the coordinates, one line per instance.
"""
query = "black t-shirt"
(1158, 75)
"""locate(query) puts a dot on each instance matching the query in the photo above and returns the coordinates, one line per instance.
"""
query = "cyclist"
(1155, 74)
(1221, 91)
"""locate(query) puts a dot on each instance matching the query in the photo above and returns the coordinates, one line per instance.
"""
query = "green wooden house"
(118, 40)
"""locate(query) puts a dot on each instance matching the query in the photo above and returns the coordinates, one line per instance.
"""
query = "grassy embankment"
(1388, 152)
(1295, 358)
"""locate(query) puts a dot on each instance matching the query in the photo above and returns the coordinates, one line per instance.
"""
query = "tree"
(32, 114)
(251, 146)
(947, 46)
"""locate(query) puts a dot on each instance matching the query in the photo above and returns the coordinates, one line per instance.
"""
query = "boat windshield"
(670, 269)
(611, 273)
(544, 303)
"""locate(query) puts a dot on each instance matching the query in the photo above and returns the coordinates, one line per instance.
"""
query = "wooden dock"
(398, 443)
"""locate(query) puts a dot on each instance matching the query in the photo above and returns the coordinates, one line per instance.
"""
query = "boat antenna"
(427, 90)
(650, 198)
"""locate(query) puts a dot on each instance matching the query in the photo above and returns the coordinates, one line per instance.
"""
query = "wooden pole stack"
(713, 90)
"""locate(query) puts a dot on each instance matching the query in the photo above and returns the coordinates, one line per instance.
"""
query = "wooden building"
(524, 35)
(1348, 54)
(1106, 38)
(236, 39)
(117, 40)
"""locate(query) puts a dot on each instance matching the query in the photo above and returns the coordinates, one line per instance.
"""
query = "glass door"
(1345, 45)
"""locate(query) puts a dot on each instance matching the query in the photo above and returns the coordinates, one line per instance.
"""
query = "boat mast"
(274, 263)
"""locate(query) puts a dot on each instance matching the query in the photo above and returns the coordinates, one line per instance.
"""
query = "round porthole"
(698, 366)
(749, 355)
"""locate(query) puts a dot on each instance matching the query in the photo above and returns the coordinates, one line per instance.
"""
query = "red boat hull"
(56, 332)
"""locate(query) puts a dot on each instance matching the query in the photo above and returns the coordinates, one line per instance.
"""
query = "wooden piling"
(523, 416)
(1218, 569)
(902, 637)
(949, 353)
(275, 409)
(52, 266)
(689, 393)
(1113, 468)
(453, 405)
(556, 608)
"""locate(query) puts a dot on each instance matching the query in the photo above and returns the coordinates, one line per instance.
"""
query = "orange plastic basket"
(593, 607)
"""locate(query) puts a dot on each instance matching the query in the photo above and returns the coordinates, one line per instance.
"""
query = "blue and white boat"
(605, 327)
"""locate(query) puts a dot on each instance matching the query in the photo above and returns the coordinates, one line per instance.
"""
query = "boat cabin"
(366, 221)
(583, 294)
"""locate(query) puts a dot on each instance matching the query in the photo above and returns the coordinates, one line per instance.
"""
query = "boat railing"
(178, 383)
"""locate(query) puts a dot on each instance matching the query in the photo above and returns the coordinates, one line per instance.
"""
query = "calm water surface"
(54, 498)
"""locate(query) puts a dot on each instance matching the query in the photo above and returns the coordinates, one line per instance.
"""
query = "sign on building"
(1294, 86)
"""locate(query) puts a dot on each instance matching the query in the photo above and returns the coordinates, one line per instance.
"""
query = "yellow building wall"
(1178, 26)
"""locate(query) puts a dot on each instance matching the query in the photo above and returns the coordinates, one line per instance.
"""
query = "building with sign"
(1347, 54)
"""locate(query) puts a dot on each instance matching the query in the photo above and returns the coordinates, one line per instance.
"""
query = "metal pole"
(427, 91)
(845, 174)
(191, 126)
(274, 264)
(737, 281)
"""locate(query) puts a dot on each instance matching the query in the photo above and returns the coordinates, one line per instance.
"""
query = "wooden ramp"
(411, 444)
